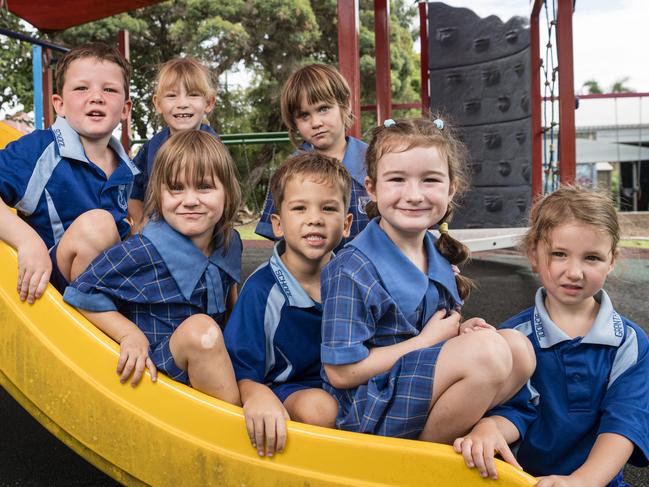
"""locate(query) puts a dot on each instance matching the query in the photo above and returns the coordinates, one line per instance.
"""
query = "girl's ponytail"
(456, 253)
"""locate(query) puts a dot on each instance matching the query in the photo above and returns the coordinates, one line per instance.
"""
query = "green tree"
(15, 67)
(592, 87)
(620, 86)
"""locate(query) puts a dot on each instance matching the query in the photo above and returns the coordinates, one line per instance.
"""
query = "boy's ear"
(126, 109)
(369, 187)
(533, 257)
(210, 105)
(57, 102)
(156, 103)
(276, 222)
(347, 225)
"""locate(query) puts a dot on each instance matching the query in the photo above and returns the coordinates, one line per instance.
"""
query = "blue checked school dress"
(158, 279)
(374, 296)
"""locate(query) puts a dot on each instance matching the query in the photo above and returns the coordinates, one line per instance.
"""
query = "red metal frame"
(348, 57)
(423, 36)
(614, 95)
(124, 46)
(48, 89)
(567, 143)
(382, 55)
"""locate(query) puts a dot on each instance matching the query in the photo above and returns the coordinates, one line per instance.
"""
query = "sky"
(610, 42)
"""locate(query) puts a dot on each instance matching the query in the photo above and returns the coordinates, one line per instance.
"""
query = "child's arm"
(135, 212)
(489, 436)
(34, 265)
(134, 346)
(381, 359)
(265, 417)
(609, 454)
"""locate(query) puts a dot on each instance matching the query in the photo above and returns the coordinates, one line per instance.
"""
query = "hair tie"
(439, 123)
(389, 123)
(443, 228)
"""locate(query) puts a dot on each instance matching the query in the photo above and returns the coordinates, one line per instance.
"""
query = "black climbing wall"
(480, 76)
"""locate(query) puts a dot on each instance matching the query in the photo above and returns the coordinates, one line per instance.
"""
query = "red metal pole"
(423, 36)
(124, 46)
(48, 89)
(567, 144)
(537, 131)
(382, 55)
(348, 57)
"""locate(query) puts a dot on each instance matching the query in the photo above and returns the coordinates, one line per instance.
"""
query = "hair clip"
(443, 227)
(439, 123)
(389, 123)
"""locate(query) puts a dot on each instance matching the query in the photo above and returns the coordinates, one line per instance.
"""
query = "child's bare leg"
(89, 235)
(312, 406)
(523, 365)
(197, 346)
(470, 371)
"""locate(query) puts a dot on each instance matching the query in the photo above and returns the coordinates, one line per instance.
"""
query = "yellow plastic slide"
(61, 369)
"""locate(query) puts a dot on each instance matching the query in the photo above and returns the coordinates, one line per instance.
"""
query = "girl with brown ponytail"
(395, 354)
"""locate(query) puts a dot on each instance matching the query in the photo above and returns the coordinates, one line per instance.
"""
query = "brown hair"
(96, 50)
(322, 169)
(187, 72)
(318, 83)
(195, 154)
(571, 203)
(407, 134)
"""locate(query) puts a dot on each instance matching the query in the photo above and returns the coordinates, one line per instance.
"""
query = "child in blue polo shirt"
(163, 293)
(395, 354)
(316, 108)
(585, 412)
(70, 183)
(274, 335)
(184, 96)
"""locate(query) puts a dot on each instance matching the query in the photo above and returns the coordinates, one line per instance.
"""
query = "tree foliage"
(15, 68)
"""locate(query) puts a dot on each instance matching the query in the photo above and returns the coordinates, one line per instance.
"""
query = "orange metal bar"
(567, 144)
(382, 55)
(348, 57)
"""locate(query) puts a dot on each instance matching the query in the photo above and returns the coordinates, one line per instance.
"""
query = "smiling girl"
(184, 96)
(164, 294)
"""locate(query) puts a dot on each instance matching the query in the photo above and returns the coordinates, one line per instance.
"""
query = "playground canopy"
(59, 15)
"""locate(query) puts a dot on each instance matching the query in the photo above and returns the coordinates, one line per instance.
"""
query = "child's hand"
(475, 324)
(134, 357)
(561, 481)
(266, 422)
(440, 328)
(34, 269)
(480, 446)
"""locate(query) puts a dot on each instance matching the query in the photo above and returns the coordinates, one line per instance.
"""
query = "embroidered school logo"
(618, 326)
(59, 137)
(538, 326)
(362, 202)
(281, 278)
(122, 200)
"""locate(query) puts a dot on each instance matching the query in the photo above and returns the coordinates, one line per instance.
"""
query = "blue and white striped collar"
(70, 146)
(607, 329)
(294, 292)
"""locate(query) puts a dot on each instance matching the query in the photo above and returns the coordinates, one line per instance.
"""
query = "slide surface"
(61, 369)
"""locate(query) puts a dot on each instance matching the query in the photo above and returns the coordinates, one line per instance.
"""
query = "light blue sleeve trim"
(626, 356)
(55, 219)
(343, 355)
(90, 302)
(41, 175)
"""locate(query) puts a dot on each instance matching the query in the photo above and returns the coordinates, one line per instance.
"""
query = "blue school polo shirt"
(374, 296)
(354, 161)
(146, 155)
(273, 334)
(588, 385)
(48, 178)
(157, 279)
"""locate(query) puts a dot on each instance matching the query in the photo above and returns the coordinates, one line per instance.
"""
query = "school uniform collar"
(69, 144)
(187, 264)
(402, 279)
(353, 160)
(294, 292)
(607, 329)
(161, 137)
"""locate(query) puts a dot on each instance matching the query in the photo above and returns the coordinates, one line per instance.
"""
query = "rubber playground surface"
(32, 456)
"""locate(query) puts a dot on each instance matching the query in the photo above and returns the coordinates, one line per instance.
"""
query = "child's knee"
(491, 357)
(201, 333)
(95, 230)
(320, 410)
(523, 357)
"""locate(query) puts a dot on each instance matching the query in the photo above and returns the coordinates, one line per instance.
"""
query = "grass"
(635, 244)
(247, 231)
